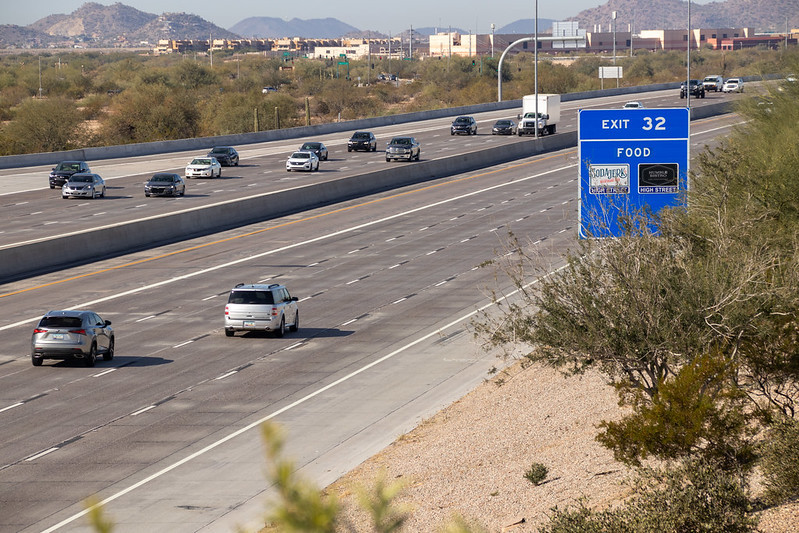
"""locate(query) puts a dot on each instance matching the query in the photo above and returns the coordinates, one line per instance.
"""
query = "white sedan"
(302, 160)
(633, 105)
(203, 167)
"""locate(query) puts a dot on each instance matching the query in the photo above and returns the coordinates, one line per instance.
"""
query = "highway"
(167, 432)
(32, 211)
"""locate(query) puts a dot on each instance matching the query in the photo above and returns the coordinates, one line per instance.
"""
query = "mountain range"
(122, 25)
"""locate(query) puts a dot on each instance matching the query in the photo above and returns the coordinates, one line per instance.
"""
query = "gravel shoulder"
(469, 459)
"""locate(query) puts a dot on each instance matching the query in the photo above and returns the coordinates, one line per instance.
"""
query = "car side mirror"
(546, 117)
(295, 299)
(107, 322)
(518, 117)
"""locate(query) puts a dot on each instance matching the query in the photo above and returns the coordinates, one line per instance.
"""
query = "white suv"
(261, 308)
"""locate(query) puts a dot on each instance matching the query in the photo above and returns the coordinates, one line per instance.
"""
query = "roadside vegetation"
(697, 328)
(62, 101)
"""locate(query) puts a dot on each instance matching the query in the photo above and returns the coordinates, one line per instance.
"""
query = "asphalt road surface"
(167, 434)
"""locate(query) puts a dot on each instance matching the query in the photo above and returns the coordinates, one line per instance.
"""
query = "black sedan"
(65, 169)
(165, 184)
(504, 127)
(467, 125)
(316, 147)
(226, 155)
(362, 140)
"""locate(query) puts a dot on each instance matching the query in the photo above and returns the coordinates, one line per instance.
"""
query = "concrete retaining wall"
(65, 250)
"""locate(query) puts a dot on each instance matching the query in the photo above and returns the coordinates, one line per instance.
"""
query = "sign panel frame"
(631, 161)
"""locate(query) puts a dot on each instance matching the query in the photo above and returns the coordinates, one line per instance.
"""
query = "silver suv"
(68, 334)
(261, 308)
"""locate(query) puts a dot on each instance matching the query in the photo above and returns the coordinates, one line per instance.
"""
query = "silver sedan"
(83, 185)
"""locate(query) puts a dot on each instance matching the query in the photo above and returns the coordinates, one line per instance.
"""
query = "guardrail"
(62, 251)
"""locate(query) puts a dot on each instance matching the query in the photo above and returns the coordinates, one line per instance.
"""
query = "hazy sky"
(378, 15)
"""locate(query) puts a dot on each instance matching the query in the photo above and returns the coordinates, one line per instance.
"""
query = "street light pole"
(613, 17)
(492, 40)
(535, 68)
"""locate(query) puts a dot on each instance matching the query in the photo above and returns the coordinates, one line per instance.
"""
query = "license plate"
(249, 323)
(58, 336)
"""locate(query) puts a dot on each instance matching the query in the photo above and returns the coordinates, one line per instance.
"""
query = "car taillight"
(78, 331)
(37, 330)
(227, 311)
(275, 311)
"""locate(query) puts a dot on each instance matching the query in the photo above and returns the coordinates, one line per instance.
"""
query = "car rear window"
(250, 297)
(60, 322)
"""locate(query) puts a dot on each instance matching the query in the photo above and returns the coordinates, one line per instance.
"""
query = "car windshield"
(68, 166)
(310, 146)
(200, 162)
(360, 135)
(163, 178)
(400, 140)
(60, 322)
(219, 151)
(503, 122)
(301, 155)
(462, 120)
(81, 179)
(251, 297)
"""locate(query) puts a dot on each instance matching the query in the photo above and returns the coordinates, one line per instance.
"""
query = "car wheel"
(147, 195)
(237, 162)
(349, 149)
(64, 197)
(325, 157)
(388, 159)
(452, 133)
(229, 333)
(281, 330)
(183, 192)
(109, 355)
(374, 148)
(52, 186)
(37, 361)
(288, 170)
(90, 359)
(296, 325)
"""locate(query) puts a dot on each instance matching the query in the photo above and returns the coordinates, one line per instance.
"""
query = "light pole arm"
(577, 40)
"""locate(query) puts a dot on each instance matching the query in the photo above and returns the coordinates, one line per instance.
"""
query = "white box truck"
(548, 114)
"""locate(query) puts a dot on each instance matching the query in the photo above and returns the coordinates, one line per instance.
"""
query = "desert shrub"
(780, 461)
(694, 496)
(536, 474)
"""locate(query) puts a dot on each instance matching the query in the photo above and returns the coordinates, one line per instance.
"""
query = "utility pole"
(492, 40)
(535, 69)
(632, 22)
(410, 43)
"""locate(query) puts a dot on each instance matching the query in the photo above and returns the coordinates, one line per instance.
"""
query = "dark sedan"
(467, 125)
(65, 169)
(316, 147)
(504, 127)
(165, 184)
(362, 140)
(226, 155)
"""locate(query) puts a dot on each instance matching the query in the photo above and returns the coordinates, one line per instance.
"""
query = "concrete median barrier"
(54, 253)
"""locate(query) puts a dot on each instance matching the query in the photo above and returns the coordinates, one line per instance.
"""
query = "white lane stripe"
(11, 406)
(42, 454)
(290, 406)
(144, 410)
(182, 344)
(223, 376)
(274, 251)
(104, 373)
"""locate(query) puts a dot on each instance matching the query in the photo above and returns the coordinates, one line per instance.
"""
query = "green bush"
(536, 474)
(780, 461)
(691, 497)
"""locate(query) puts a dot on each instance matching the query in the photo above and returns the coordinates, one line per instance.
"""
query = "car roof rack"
(239, 285)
